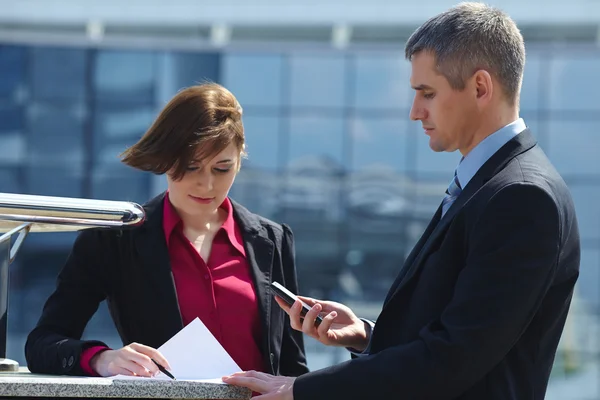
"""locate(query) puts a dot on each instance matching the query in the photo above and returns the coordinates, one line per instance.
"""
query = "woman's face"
(205, 186)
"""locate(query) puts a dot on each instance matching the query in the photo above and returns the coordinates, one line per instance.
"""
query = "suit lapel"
(414, 253)
(152, 249)
(435, 231)
(259, 253)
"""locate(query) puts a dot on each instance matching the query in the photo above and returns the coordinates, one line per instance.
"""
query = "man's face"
(449, 117)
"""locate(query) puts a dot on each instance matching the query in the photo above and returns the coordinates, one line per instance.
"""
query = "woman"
(198, 254)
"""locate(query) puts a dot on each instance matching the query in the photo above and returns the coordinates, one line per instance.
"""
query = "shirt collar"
(474, 160)
(171, 220)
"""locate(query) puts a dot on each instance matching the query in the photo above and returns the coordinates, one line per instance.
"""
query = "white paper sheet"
(194, 355)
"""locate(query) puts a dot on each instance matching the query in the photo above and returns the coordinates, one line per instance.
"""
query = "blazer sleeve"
(54, 346)
(512, 259)
(292, 358)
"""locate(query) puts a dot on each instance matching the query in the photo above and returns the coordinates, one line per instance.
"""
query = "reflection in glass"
(51, 180)
(13, 143)
(564, 94)
(379, 143)
(122, 123)
(315, 137)
(12, 65)
(382, 81)
(587, 208)
(530, 89)
(56, 134)
(314, 170)
(262, 141)
(125, 75)
(119, 182)
(589, 276)
(182, 69)
(573, 146)
(254, 79)
(318, 80)
(58, 73)
(431, 162)
(9, 179)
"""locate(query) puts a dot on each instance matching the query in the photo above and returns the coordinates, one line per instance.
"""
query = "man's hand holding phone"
(339, 326)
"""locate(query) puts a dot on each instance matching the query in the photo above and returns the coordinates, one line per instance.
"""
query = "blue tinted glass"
(13, 142)
(9, 180)
(573, 146)
(119, 182)
(56, 134)
(262, 142)
(530, 90)
(316, 140)
(318, 81)
(13, 67)
(430, 162)
(11, 119)
(125, 75)
(50, 180)
(182, 69)
(382, 81)
(564, 93)
(123, 123)
(587, 208)
(379, 143)
(254, 79)
(58, 73)
(589, 276)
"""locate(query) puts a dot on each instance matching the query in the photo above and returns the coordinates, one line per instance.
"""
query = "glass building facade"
(331, 151)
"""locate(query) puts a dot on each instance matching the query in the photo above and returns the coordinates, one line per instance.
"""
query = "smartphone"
(290, 298)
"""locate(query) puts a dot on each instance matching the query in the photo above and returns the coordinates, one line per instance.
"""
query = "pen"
(163, 370)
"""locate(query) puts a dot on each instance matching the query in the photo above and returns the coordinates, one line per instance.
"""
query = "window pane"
(564, 94)
(318, 81)
(56, 135)
(122, 123)
(573, 146)
(12, 65)
(182, 69)
(258, 190)
(589, 278)
(254, 79)
(530, 89)
(587, 208)
(58, 73)
(431, 162)
(315, 138)
(382, 81)
(9, 180)
(119, 182)
(13, 144)
(262, 142)
(379, 143)
(48, 180)
(314, 170)
(125, 75)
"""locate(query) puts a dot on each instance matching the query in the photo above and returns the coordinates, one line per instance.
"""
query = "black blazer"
(130, 268)
(478, 309)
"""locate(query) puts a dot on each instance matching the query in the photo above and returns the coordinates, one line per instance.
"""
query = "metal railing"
(21, 214)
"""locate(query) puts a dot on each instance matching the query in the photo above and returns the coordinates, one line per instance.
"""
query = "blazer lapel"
(414, 253)
(435, 231)
(155, 261)
(259, 253)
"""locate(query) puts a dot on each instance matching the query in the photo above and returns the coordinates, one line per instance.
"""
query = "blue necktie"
(452, 193)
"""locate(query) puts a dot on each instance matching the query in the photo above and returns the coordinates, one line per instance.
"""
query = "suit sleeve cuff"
(368, 348)
(86, 357)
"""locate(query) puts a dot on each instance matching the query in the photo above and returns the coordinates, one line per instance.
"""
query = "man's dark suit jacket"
(478, 309)
(131, 269)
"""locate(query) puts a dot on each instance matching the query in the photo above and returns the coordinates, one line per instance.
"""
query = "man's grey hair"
(469, 37)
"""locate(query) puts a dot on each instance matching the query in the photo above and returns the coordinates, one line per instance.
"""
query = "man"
(480, 304)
